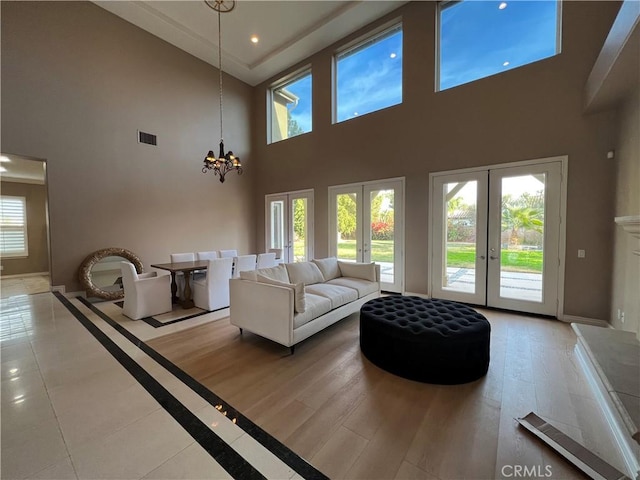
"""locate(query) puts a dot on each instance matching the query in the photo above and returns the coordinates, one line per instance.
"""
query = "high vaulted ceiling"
(289, 31)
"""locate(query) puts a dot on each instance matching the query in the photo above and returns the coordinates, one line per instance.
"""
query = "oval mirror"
(99, 273)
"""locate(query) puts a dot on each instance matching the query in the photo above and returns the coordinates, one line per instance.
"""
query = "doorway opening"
(24, 222)
(366, 224)
(497, 237)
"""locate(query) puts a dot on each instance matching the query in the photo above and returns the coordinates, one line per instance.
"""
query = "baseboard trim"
(421, 295)
(22, 275)
(75, 294)
(586, 321)
(616, 424)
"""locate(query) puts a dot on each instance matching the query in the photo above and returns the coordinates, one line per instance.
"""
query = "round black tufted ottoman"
(429, 340)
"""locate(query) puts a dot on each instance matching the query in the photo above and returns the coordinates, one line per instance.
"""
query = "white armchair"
(243, 263)
(228, 253)
(266, 260)
(181, 257)
(145, 294)
(212, 292)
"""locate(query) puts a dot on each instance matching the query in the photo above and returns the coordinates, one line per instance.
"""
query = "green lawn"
(381, 250)
(512, 260)
(458, 255)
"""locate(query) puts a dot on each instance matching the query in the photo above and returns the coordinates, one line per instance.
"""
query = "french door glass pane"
(522, 234)
(382, 232)
(277, 225)
(299, 208)
(460, 210)
(347, 226)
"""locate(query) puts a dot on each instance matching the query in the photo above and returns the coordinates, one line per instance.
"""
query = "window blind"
(13, 226)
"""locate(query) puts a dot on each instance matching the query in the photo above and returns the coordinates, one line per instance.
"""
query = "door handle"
(482, 257)
(492, 257)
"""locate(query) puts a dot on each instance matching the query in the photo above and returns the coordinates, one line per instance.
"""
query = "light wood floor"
(350, 419)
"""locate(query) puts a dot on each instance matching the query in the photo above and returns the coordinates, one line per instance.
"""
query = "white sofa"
(291, 302)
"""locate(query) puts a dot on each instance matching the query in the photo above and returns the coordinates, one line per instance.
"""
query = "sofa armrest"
(264, 309)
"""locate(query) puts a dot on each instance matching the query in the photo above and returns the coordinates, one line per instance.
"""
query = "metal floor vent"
(147, 138)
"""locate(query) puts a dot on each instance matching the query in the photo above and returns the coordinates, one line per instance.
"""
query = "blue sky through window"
(478, 38)
(301, 112)
(369, 78)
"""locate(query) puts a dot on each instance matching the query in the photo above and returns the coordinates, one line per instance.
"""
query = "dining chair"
(145, 294)
(266, 260)
(181, 257)
(228, 253)
(243, 263)
(211, 255)
(278, 252)
(212, 292)
(201, 256)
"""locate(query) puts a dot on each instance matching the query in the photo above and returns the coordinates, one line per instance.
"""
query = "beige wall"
(77, 83)
(529, 112)
(38, 259)
(626, 265)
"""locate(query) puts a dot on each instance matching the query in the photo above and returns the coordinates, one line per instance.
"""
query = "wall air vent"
(147, 138)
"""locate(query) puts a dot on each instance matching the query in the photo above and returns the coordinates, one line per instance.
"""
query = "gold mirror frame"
(84, 272)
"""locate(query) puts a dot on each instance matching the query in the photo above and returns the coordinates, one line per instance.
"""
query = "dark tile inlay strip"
(284, 453)
(226, 456)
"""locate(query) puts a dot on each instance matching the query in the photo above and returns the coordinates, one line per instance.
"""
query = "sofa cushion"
(328, 267)
(279, 273)
(299, 303)
(365, 271)
(338, 294)
(249, 275)
(304, 272)
(364, 287)
(316, 306)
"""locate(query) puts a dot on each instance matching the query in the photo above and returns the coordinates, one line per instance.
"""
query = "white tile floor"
(71, 410)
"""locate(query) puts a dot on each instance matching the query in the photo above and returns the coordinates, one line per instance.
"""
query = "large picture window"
(369, 75)
(291, 107)
(481, 38)
(13, 226)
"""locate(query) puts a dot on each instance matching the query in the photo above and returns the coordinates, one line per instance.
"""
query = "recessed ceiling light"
(2, 169)
(254, 39)
(505, 64)
(502, 5)
(4, 159)
(393, 55)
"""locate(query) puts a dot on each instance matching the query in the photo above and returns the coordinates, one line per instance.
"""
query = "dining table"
(186, 268)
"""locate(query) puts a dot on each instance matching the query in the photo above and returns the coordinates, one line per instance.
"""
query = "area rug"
(178, 314)
(159, 325)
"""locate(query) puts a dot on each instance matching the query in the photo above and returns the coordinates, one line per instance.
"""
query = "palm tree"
(516, 218)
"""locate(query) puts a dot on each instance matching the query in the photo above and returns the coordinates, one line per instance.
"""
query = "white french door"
(289, 225)
(496, 237)
(366, 224)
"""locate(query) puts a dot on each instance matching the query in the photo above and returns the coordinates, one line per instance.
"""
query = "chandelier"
(225, 162)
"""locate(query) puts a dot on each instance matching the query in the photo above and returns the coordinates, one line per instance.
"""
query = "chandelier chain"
(224, 162)
(220, 68)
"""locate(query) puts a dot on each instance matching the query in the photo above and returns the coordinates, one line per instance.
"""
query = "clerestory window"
(368, 75)
(291, 107)
(479, 38)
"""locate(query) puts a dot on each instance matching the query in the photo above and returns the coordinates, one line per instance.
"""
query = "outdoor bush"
(382, 230)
